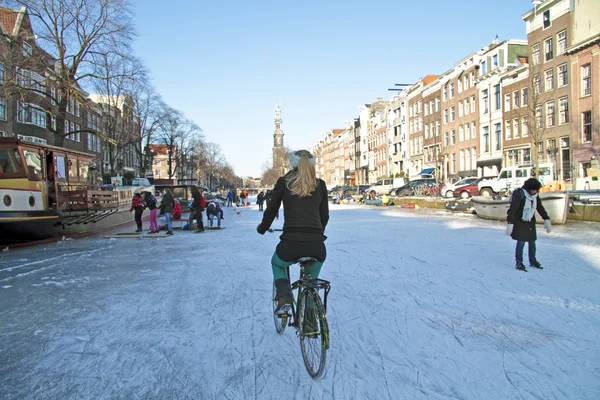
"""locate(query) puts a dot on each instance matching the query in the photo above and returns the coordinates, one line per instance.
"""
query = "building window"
(537, 84)
(495, 60)
(466, 107)
(451, 90)
(426, 131)
(486, 138)
(452, 114)
(28, 114)
(516, 127)
(485, 100)
(564, 110)
(586, 80)
(426, 109)
(516, 98)
(53, 96)
(535, 52)
(446, 116)
(507, 129)
(538, 116)
(507, 102)
(2, 110)
(525, 97)
(497, 96)
(445, 93)
(561, 40)
(1, 73)
(472, 78)
(548, 53)
(437, 128)
(498, 128)
(549, 79)
(437, 104)
(546, 19)
(525, 126)
(483, 67)
(550, 113)
(460, 109)
(527, 156)
(540, 150)
(461, 133)
(563, 78)
(467, 132)
(473, 130)
(446, 139)
(461, 161)
(53, 123)
(586, 123)
(460, 85)
(472, 104)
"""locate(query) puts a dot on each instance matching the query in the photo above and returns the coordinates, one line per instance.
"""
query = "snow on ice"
(424, 304)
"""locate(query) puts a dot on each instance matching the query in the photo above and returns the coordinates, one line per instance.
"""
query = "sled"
(410, 205)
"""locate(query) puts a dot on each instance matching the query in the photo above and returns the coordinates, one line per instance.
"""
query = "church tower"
(278, 149)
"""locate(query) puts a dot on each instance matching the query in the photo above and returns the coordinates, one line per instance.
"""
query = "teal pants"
(279, 268)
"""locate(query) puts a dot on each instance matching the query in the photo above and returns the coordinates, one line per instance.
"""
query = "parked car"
(448, 190)
(465, 192)
(383, 186)
(513, 177)
(413, 188)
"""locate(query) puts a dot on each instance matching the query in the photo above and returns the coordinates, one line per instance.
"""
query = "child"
(521, 220)
(150, 203)
(137, 205)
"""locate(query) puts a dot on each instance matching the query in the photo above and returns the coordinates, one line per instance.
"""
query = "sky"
(226, 64)
(439, 312)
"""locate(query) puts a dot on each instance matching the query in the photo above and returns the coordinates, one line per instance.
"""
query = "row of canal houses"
(511, 102)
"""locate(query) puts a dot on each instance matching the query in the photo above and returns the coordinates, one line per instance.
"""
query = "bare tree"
(534, 101)
(73, 33)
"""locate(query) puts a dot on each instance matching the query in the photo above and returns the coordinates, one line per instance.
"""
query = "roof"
(160, 149)
(8, 19)
(523, 60)
(427, 79)
(338, 131)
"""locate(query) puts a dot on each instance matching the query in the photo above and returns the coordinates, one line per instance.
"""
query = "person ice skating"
(524, 202)
(214, 210)
(137, 205)
(150, 203)
(230, 198)
(306, 213)
(245, 193)
(260, 199)
(197, 208)
(167, 205)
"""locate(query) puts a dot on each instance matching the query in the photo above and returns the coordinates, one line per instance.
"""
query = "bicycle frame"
(305, 282)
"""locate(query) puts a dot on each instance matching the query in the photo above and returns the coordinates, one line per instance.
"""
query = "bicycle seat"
(305, 260)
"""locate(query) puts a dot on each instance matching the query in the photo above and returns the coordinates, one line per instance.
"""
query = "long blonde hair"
(303, 181)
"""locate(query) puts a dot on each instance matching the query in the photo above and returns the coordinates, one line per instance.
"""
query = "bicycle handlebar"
(274, 230)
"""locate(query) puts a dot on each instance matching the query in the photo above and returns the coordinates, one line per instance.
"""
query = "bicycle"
(314, 343)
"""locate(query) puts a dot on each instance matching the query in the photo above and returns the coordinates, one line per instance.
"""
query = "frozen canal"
(423, 305)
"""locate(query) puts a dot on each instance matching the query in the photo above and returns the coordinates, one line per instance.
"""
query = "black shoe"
(536, 264)
(169, 233)
(521, 266)
(138, 230)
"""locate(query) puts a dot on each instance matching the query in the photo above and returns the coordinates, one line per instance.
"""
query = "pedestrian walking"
(137, 205)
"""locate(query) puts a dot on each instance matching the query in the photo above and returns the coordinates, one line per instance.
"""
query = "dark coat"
(150, 201)
(260, 198)
(167, 205)
(305, 218)
(523, 231)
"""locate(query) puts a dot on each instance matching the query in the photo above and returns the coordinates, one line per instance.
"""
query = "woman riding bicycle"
(306, 214)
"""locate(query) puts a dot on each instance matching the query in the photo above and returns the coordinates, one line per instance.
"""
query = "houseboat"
(48, 192)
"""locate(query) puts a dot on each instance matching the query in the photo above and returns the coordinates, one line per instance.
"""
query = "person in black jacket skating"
(306, 214)
(524, 202)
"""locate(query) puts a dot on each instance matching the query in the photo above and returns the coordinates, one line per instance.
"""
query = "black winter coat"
(150, 201)
(523, 231)
(167, 205)
(305, 218)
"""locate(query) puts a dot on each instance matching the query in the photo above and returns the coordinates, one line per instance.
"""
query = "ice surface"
(424, 304)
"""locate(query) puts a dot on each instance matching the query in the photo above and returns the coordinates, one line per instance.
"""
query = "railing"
(87, 200)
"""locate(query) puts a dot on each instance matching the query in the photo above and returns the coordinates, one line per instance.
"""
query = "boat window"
(73, 168)
(9, 161)
(34, 163)
(83, 170)
(60, 167)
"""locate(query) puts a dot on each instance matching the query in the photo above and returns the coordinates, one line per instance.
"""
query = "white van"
(383, 186)
(513, 178)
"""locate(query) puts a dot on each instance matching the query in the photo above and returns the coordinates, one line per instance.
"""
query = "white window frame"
(586, 80)
(561, 43)
(563, 110)
(507, 129)
(2, 109)
(565, 75)
(535, 54)
(548, 49)
(549, 79)
(507, 101)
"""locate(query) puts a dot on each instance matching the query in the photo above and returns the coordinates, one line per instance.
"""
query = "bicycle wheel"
(314, 337)
(280, 322)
